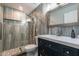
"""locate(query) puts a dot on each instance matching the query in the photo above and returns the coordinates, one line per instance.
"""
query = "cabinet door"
(64, 14)
(49, 48)
(43, 51)
(52, 21)
(53, 52)
(69, 51)
(56, 17)
(54, 49)
(71, 17)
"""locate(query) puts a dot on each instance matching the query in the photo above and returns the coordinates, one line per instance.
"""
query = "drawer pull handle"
(50, 45)
(67, 52)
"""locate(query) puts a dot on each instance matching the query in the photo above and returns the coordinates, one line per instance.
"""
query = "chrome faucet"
(59, 32)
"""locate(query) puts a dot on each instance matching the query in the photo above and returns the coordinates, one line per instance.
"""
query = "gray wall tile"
(66, 30)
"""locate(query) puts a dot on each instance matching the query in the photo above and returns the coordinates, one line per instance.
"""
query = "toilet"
(31, 49)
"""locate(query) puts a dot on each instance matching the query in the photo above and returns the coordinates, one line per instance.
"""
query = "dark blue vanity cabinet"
(48, 48)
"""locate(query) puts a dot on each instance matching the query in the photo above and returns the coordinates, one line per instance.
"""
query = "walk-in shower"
(15, 34)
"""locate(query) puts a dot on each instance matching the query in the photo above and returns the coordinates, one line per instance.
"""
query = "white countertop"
(68, 41)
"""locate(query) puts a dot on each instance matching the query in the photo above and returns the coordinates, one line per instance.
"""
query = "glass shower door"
(24, 34)
(7, 35)
(15, 34)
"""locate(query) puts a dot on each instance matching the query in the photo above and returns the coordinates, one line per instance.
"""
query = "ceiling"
(25, 7)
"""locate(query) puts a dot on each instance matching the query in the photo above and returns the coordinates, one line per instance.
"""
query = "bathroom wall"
(40, 20)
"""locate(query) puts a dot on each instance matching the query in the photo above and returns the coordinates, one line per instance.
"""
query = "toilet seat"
(30, 47)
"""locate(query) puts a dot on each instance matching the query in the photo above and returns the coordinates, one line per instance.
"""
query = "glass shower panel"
(7, 35)
(1, 37)
(24, 34)
(1, 28)
(0, 31)
(15, 34)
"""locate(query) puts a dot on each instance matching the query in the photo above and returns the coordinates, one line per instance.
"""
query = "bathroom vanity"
(52, 45)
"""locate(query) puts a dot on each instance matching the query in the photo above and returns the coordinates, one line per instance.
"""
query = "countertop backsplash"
(64, 30)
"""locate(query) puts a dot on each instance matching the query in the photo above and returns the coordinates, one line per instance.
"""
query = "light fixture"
(28, 20)
(21, 8)
(23, 22)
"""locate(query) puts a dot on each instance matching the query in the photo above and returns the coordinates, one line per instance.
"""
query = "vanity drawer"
(69, 51)
(55, 49)
(42, 42)
(53, 45)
